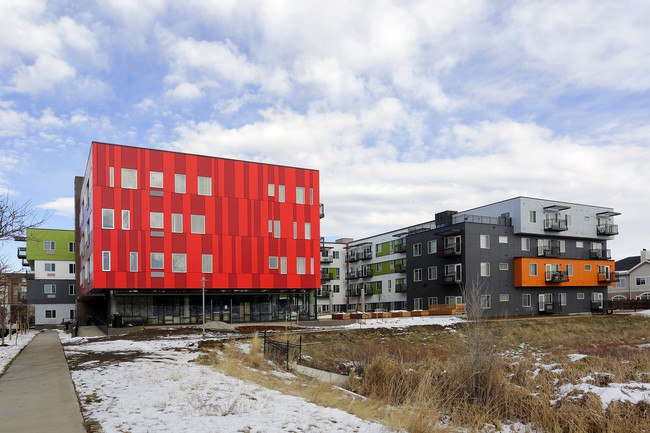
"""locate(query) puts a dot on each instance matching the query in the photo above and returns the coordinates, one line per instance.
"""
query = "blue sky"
(406, 108)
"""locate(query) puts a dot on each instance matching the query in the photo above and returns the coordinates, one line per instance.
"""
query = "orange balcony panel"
(580, 277)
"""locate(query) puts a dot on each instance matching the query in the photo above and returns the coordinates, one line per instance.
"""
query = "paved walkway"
(36, 392)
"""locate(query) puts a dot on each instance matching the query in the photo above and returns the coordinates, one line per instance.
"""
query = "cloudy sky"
(407, 108)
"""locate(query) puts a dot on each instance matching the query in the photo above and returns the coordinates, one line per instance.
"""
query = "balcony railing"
(322, 293)
(400, 287)
(557, 225)
(608, 277)
(352, 256)
(351, 275)
(452, 279)
(325, 276)
(322, 210)
(543, 251)
(607, 229)
(600, 254)
(366, 272)
(25, 262)
(22, 252)
(399, 248)
(326, 259)
(557, 277)
(451, 251)
(365, 254)
(400, 267)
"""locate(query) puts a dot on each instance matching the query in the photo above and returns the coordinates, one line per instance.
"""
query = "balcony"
(399, 248)
(607, 229)
(600, 254)
(322, 210)
(400, 288)
(25, 262)
(325, 276)
(451, 251)
(557, 277)
(608, 277)
(352, 256)
(553, 251)
(556, 225)
(351, 275)
(452, 279)
(322, 293)
(22, 253)
(366, 273)
(365, 254)
(326, 259)
(400, 267)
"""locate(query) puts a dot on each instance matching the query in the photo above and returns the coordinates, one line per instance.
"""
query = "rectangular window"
(486, 301)
(417, 249)
(485, 269)
(300, 195)
(156, 220)
(378, 267)
(129, 178)
(111, 176)
(587, 268)
(295, 230)
(271, 190)
(281, 193)
(51, 245)
(417, 303)
(49, 288)
(204, 185)
(580, 296)
(432, 246)
(562, 299)
(532, 216)
(580, 244)
(270, 226)
(562, 246)
(485, 241)
(307, 230)
(198, 224)
(433, 300)
(311, 265)
(276, 229)
(503, 239)
(155, 179)
(525, 300)
(569, 270)
(532, 269)
(503, 266)
(108, 219)
(157, 260)
(133, 261)
(106, 260)
(206, 263)
(432, 272)
(311, 196)
(126, 219)
(71, 290)
(50, 314)
(179, 183)
(50, 267)
(300, 266)
(179, 263)
(525, 244)
(640, 281)
(417, 274)
(283, 265)
(71, 268)
(71, 247)
(504, 297)
(177, 223)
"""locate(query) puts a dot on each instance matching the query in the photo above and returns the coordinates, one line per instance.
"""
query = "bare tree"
(5, 307)
(15, 218)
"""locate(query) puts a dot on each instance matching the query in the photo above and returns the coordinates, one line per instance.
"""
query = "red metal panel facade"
(240, 221)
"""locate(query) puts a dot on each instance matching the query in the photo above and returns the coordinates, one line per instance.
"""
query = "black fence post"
(265, 342)
(287, 354)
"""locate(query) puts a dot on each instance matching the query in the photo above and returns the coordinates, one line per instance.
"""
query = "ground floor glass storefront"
(185, 307)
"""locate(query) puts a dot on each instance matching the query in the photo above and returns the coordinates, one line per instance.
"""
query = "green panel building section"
(390, 247)
(49, 244)
(386, 268)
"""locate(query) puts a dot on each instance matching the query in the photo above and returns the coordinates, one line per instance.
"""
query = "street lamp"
(203, 280)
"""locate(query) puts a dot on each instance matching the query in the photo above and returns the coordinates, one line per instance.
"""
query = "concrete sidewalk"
(36, 392)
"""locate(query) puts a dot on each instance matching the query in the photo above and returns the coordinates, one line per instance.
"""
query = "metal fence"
(281, 350)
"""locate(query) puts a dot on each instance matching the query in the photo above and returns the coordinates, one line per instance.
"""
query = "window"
(126, 219)
(50, 267)
(453, 299)
(503, 239)
(433, 300)
(155, 179)
(379, 267)
(156, 220)
(72, 314)
(179, 183)
(432, 246)
(271, 190)
(336, 288)
(71, 268)
(179, 263)
(417, 303)
(532, 216)
(503, 266)
(270, 226)
(562, 297)
(71, 290)
(283, 265)
(49, 288)
(504, 297)
(562, 246)
(417, 249)
(486, 301)
(107, 218)
(111, 176)
(133, 261)
(300, 265)
(50, 314)
(485, 241)
(71, 247)
(295, 230)
(335, 254)
(206, 263)
(273, 262)
(281, 193)
(485, 269)
(177, 223)
(106, 260)
(432, 272)
(532, 269)
(204, 185)
(157, 260)
(50, 245)
(129, 178)
(525, 300)
(525, 244)
(276, 229)
(311, 196)
(307, 230)
(640, 281)
(311, 265)
(300, 195)
(581, 296)
(569, 270)
(587, 268)
(580, 244)
(417, 274)
(198, 224)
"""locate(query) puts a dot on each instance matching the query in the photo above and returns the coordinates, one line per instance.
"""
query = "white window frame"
(197, 224)
(283, 265)
(525, 244)
(580, 244)
(526, 300)
(72, 290)
(417, 249)
(49, 289)
(206, 263)
(180, 185)
(569, 269)
(108, 213)
(177, 223)
(504, 297)
(532, 216)
(587, 268)
(156, 220)
(273, 262)
(533, 270)
(155, 259)
(562, 299)
(308, 231)
(50, 267)
(417, 274)
(277, 229)
(300, 195)
(432, 273)
(126, 218)
(133, 261)
(485, 269)
(156, 179)
(484, 242)
(106, 261)
(580, 296)
(432, 246)
(51, 245)
(204, 185)
(503, 239)
(179, 263)
(503, 266)
(301, 266)
(486, 302)
(271, 190)
(129, 178)
(281, 195)
(111, 176)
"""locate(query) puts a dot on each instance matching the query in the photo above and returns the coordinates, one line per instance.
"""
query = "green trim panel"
(36, 239)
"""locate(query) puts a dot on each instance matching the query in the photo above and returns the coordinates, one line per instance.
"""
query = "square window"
(106, 260)
(133, 261)
(206, 263)
(179, 263)
(587, 268)
(129, 178)
(156, 179)
(273, 262)
(503, 239)
(300, 265)
(49, 288)
(108, 218)
(156, 220)
(204, 185)
(432, 246)
(525, 300)
(485, 242)
(580, 296)
(50, 245)
(503, 266)
(271, 190)
(157, 260)
(126, 219)
(50, 267)
(177, 223)
(179, 183)
(580, 244)
(198, 224)
(300, 195)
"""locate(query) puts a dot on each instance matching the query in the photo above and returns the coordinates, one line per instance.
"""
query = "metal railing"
(280, 350)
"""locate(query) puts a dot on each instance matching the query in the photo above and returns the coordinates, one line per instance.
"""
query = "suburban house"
(633, 275)
(155, 228)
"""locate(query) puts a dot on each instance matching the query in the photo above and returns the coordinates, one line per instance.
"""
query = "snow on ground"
(402, 322)
(167, 392)
(646, 312)
(13, 348)
(633, 392)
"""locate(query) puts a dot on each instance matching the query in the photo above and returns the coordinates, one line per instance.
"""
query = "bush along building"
(528, 256)
(154, 227)
(51, 289)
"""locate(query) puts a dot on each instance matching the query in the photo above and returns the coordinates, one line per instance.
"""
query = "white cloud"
(44, 74)
(63, 206)
(185, 91)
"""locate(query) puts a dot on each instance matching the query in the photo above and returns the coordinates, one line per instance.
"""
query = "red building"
(151, 224)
